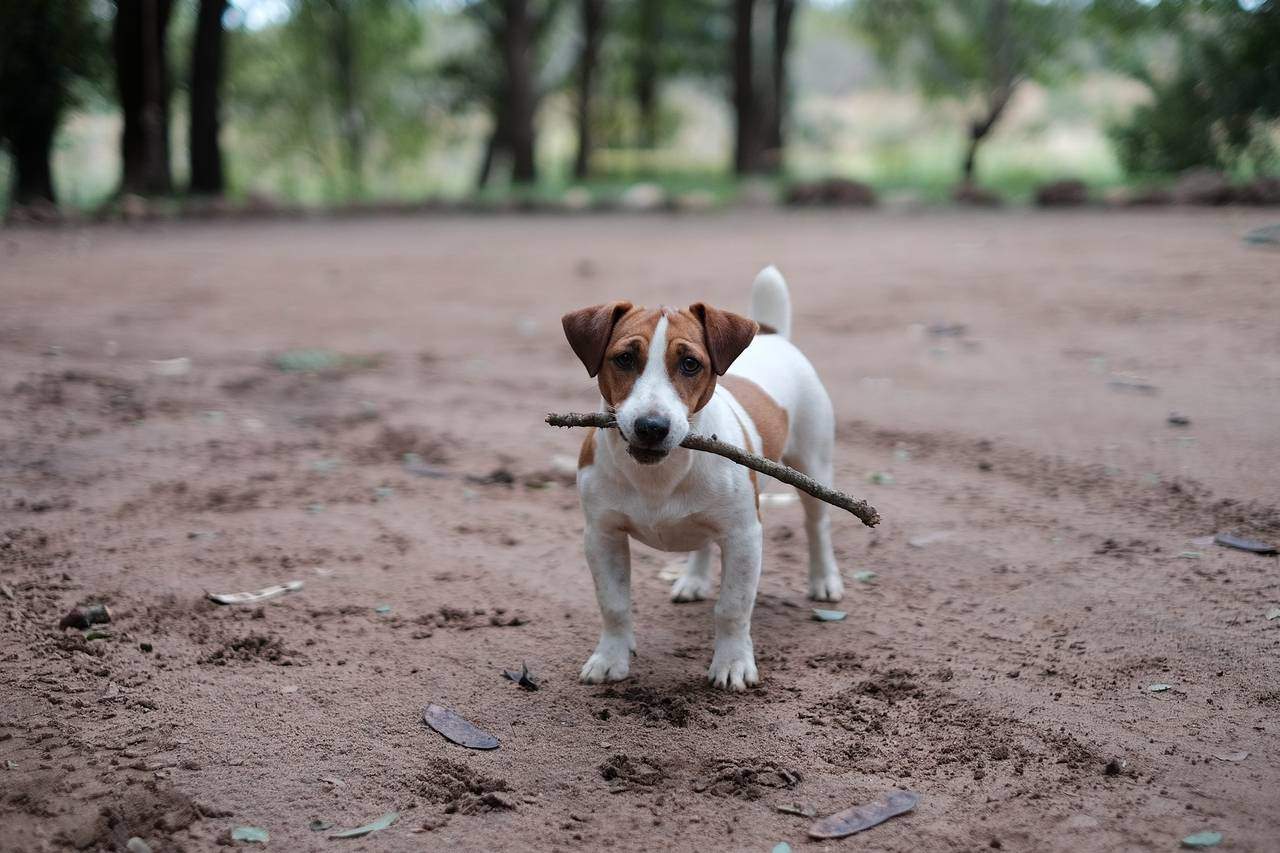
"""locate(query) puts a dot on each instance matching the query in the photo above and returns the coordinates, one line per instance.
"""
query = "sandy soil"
(1036, 566)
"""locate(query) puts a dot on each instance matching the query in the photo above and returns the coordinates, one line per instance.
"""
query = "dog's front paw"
(733, 667)
(827, 588)
(689, 587)
(611, 661)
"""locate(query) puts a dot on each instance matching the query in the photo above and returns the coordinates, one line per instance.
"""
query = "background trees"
(977, 52)
(46, 46)
(332, 100)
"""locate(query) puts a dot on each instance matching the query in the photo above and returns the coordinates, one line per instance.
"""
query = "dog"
(664, 373)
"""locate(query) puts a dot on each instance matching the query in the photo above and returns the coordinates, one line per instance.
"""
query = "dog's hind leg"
(824, 575)
(695, 583)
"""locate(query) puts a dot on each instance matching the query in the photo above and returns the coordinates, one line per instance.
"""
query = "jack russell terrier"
(664, 373)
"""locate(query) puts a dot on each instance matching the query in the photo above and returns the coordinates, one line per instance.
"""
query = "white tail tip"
(770, 302)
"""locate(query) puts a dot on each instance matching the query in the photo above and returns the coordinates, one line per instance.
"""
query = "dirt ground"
(1037, 569)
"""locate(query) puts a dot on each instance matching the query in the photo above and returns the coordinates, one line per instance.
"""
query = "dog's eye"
(690, 366)
(624, 361)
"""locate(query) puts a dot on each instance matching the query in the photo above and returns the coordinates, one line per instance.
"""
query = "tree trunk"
(350, 116)
(592, 29)
(646, 71)
(495, 146)
(518, 105)
(783, 12)
(206, 91)
(30, 144)
(142, 76)
(748, 139)
(999, 43)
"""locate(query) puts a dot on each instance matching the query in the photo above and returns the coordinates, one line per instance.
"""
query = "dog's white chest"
(682, 534)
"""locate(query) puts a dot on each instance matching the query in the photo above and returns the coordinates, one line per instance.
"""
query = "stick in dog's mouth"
(864, 511)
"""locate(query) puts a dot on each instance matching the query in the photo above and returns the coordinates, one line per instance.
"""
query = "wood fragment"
(864, 511)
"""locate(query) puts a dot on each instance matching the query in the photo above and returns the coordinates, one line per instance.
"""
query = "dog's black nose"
(652, 429)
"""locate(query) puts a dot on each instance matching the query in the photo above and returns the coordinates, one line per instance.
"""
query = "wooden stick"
(865, 512)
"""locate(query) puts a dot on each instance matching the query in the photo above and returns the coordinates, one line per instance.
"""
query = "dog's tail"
(770, 302)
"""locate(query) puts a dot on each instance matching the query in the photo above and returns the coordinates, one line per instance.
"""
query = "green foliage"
(963, 49)
(1214, 106)
(341, 85)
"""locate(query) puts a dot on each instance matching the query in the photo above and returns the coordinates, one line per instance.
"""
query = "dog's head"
(656, 367)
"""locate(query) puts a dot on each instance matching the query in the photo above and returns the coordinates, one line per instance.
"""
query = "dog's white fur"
(691, 500)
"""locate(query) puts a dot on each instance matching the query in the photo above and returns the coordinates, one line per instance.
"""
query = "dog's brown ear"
(588, 331)
(728, 334)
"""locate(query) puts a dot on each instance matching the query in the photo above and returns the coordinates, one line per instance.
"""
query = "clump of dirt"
(255, 647)
(25, 548)
(155, 815)
(394, 443)
(456, 619)
(659, 706)
(746, 781)
(834, 661)
(622, 772)
(462, 790)
(892, 686)
(112, 397)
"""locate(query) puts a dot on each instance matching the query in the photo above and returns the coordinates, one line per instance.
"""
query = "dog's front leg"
(609, 556)
(733, 666)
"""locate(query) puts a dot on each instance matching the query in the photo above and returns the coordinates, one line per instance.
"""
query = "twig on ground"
(865, 512)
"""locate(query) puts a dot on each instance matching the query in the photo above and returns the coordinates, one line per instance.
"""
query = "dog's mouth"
(646, 455)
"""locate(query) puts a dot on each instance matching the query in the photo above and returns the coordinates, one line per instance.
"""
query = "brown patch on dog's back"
(587, 453)
(770, 419)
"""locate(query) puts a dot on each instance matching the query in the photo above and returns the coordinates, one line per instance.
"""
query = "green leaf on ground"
(1158, 688)
(381, 823)
(865, 576)
(829, 615)
(1206, 838)
(1273, 613)
(251, 834)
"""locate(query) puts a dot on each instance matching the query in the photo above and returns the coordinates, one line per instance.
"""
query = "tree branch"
(865, 512)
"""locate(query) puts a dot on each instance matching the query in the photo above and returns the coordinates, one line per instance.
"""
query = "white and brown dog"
(664, 373)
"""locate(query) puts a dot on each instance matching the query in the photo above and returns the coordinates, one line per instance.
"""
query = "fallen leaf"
(137, 845)
(319, 825)
(523, 678)
(381, 823)
(829, 615)
(1158, 688)
(334, 781)
(1231, 756)
(83, 617)
(865, 576)
(797, 809)
(858, 818)
(456, 729)
(1240, 543)
(782, 847)
(382, 608)
(1273, 613)
(880, 478)
(1206, 838)
(251, 834)
(180, 366)
(255, 596)
(1190, 555)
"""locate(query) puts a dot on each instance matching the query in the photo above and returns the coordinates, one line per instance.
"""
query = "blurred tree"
(337, 83)
(1214, 105)
(592, 21)
(45, 46)
(748, 136)
(783, 13)
(971, 50)
(143, 85)
(505, 76)
(759, 90)
(206, 100)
